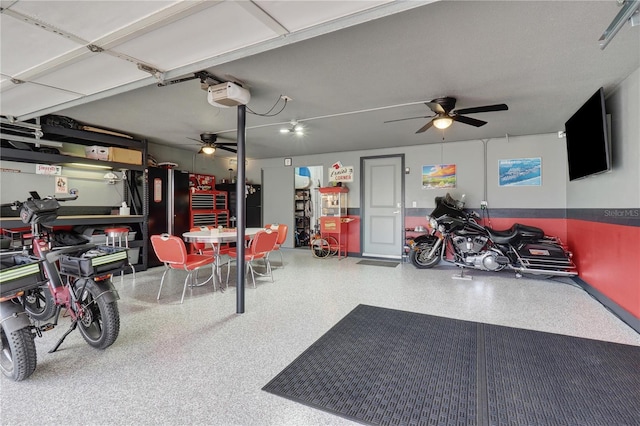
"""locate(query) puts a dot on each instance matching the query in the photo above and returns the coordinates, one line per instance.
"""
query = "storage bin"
(133, 255)
(19, 273)
(94, 261)
(97, 152)
(99, 238)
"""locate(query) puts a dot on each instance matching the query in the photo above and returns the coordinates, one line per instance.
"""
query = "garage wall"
(619, 188)
(468, 156)
(17, 179)
(603, 212)
(553, 154)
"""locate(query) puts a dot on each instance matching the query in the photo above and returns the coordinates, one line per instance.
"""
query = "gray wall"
(92, 188)
(469, 157)
(619, 188)
(553, 153)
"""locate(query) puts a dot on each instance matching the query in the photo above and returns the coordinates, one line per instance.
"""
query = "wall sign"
(61, 185)
(339, 173)
(47, 169)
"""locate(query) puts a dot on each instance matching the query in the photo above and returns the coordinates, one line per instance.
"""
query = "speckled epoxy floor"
(200, 363)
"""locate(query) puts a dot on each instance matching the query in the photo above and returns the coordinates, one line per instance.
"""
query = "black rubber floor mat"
(386, 367)
(378, 263)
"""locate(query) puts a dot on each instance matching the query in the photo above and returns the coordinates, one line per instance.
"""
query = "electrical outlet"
(483, 204)
(415, 204)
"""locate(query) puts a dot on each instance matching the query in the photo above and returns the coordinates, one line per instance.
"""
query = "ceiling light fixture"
(208, 149)
(296, 128)
(442, 122)
(88, 166)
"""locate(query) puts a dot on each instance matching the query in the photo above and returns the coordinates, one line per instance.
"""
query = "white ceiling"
(348, 65)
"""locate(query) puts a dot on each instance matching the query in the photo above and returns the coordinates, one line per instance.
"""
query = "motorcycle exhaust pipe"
(545, 272)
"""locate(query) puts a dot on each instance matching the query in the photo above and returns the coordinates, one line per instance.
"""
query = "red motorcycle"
(78, 279)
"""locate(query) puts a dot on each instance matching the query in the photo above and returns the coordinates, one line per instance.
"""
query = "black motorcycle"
(457, 238)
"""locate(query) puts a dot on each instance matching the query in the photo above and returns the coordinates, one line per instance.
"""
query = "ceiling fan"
(209, 142)
(445, 114)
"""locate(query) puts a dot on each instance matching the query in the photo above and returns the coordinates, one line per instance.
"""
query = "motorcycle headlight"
(433, 223)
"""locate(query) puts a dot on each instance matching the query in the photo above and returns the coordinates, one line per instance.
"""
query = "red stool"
(118, 237)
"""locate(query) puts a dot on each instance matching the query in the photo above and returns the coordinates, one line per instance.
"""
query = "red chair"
(282, 236)
(262, 243)
(172, 251)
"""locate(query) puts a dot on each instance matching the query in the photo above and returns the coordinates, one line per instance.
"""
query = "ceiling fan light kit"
(296, 128)
(442, 122)
(208, 149)
(209, 144)
(445, 114)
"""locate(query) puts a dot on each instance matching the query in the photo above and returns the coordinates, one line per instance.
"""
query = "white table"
(216, 238)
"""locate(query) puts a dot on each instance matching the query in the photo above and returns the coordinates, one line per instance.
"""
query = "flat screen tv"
(588, 147)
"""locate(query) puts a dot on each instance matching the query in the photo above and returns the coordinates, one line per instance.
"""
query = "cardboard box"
(122, 155)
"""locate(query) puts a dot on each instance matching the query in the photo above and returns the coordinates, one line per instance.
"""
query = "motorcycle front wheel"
(18, 357)
(419, 255)
(99, 323)
(39, 303)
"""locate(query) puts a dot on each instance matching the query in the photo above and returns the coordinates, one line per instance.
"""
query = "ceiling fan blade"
(486, 108)
(197, 140)
(226, 143)
(425, 127)
(410, 118)
(228, 149)
(469, 120)
(436, 107)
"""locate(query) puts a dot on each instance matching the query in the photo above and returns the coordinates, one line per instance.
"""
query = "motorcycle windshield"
(442, 209)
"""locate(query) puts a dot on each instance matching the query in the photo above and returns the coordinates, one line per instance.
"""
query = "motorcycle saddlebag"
(544, 256)
(39, 211)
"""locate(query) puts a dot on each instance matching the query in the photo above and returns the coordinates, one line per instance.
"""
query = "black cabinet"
(168, 204)
(253, 203)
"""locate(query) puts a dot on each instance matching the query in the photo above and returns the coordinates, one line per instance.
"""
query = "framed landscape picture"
(439, 176)
(520, 172)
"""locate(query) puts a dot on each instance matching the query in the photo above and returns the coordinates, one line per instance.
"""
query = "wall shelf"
(135, 195)
(24, 156)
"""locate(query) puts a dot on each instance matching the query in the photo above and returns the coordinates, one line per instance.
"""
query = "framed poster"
(520, 172)
(61, 185)
(439, 176)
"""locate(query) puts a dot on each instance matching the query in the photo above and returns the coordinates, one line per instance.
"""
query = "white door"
(383, 212)
(278, 199)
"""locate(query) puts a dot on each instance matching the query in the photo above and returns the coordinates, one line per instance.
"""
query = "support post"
(240, 208)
